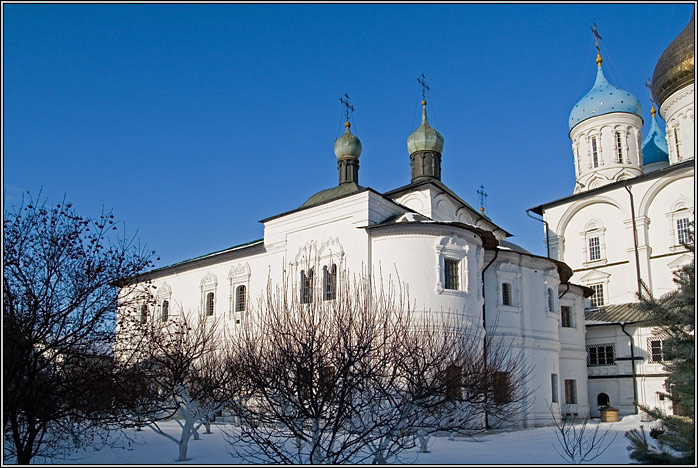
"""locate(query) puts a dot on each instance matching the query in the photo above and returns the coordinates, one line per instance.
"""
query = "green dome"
(425, 138)
(347, 145)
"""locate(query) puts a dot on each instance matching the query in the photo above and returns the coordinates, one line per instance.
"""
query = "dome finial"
(597, 36)
(347, 148)
(653, 111)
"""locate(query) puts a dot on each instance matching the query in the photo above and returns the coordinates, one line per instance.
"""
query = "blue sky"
(194, 122)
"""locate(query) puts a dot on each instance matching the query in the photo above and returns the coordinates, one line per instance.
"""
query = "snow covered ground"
(530, 446)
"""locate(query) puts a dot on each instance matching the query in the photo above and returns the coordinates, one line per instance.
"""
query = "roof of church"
(676, 66)
(614, 185)
(615, 313)
(333, 193)
(442, 186)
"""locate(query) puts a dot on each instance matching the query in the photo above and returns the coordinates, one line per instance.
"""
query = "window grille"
(553, 386)
(676, 143)
(566, 316)
(601, 355)
(307, 287)
(330, 281)
(451, 274)
(209, 304)
(506, 294)
(240, 299)
(655, 350)
(551, 301)
(619, 148)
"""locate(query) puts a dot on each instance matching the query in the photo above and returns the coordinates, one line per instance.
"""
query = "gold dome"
(675, 68)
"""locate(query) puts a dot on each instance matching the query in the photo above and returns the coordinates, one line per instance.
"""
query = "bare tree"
(183, 368)
(577, 442)
(59, 310)
(356, 377)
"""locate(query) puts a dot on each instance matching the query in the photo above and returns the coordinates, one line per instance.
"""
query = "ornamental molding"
(241, 270)
(210, 281)
(674, 98)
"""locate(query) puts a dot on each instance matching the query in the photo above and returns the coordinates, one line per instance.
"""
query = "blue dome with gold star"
(603, 98)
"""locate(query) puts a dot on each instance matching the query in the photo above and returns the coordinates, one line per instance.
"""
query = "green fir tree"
(673, 315)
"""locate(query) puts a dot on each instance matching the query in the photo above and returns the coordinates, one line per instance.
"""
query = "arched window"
(602, 399)
(164, 310)
(209, 303)
(551, 301)
(307, 287)
(330, 282)
(240, 299)
(506, 294)
(144, 313)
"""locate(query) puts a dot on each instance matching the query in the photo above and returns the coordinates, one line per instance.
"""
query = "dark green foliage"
(673, 316)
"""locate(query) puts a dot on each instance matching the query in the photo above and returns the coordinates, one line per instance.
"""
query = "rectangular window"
(571, 392)
(454, 382)
(209, 303)
(676, 143)
(451, 274)
(501, 385)
(619, 148)
(594, 249)
(600, 355)
(553, 386)
(594, 152)
(597, 299)
(655, 350)
(566, 316)
(682, 230)
(506, 294)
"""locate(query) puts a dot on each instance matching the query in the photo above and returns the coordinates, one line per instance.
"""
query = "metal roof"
(616, 313)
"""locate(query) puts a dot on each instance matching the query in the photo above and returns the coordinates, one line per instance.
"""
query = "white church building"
(623, 229)
(456, 259)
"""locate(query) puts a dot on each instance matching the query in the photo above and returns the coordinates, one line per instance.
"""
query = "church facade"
(623, 231)
(456, 259)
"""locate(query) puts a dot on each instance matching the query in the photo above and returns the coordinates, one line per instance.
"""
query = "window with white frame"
(601, 355)
(597, 299)
(683, 230)
(164, 295)
(452, 265)
(594, 235)
(676, 144)
(551, 300)
(594, 248)
(619, 148)
(239, 282)
(209, 283)
(566, 317)
(570, 391)
(655, 349)
(594, 152)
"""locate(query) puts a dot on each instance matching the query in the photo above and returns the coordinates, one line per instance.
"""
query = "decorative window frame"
(595, 137)
(511, 274)
(239, 275)
(164, 294)
(594, 228)
(209, 283)
(310, 256)
(682, 208)
(452, 248)
(595, 277)
(650, 356)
